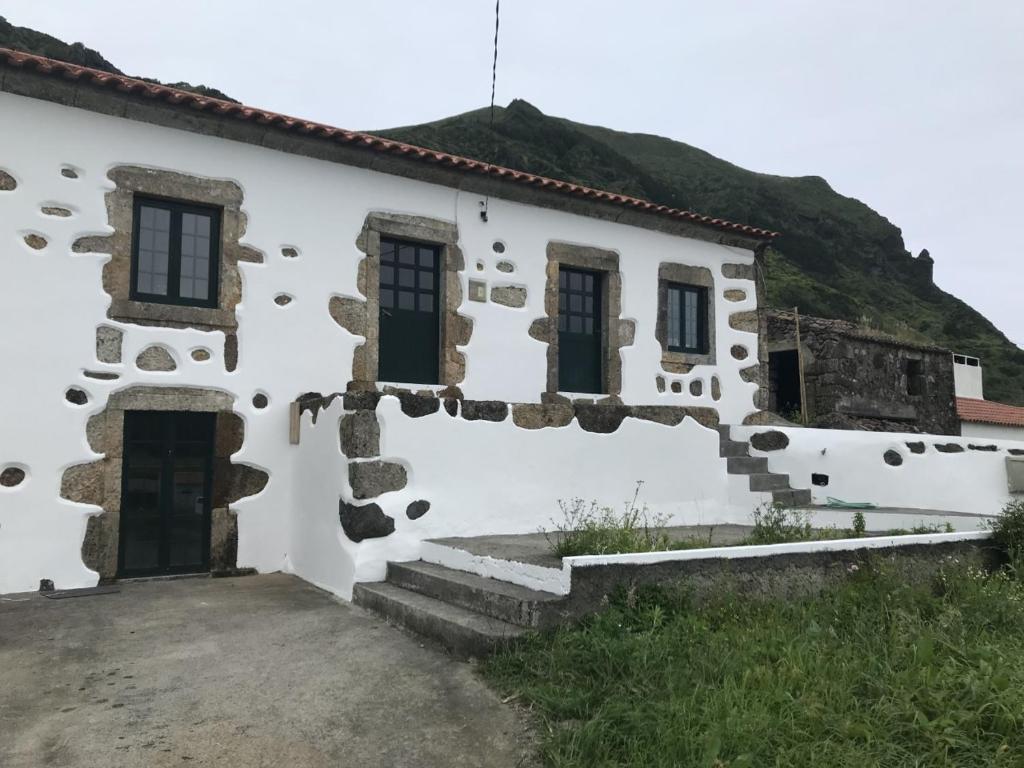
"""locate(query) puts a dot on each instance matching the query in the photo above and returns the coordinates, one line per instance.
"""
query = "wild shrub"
(1008, 533)
(775, 523)
(586, 528)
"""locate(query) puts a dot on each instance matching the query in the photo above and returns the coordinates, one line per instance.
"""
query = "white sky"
(915, 107)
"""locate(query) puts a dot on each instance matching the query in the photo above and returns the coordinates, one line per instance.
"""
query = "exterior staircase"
(469, 615)
(739, 462)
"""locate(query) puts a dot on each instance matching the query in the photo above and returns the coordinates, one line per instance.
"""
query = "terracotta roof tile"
(987, 412)
(130, 85)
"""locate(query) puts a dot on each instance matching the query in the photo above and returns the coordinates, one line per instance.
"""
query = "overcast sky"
(915, 107)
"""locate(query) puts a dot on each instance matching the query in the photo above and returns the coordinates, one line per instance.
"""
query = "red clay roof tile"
(987, 412)
(52, 67)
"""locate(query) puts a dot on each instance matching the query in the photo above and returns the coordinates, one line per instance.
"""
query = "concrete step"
(746, 465)
(465, 633)
(725, 430)
(769, 482)
(792, 498)
(733, 449)
(490, 597)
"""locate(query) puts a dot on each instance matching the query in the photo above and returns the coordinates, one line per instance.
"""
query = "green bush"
(589, 529)
(1008, 533)
(775, 523)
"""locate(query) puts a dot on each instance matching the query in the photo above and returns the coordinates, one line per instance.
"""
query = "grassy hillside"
(836, 257)
(42, 44)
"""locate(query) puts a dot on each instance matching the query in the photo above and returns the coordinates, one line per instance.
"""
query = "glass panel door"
(409, 313)
(165, 505)
(580, 340)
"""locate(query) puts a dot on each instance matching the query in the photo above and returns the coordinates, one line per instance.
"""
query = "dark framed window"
(687, 318)
(175, 253)
(915, 378)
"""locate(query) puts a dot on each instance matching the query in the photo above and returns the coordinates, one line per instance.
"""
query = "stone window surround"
(100, 482)
(616, 333)
(674, 272)
(455, 328)
(226, 196)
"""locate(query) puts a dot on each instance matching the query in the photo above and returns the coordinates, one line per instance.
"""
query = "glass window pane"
(153, 251)
(575, 281)
(426, 302)
(673, 318)
(690, 319)
(588, 283)
(575, 324)
(575, 302)
(426, 281)
(561, 322)
(427, 257)
(387, 275)
(588, 325)
(406, 300)
(387, 250)
(201, 289)
(562, 279)
(387, 298)
(588, 305)
(407, 278)
(406, 254)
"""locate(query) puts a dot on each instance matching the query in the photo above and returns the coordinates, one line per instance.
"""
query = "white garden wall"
(481, 477)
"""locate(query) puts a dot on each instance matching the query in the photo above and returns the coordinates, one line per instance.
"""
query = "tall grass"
(872, 673)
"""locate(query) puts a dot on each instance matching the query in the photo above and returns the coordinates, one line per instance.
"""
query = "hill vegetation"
(836, 257)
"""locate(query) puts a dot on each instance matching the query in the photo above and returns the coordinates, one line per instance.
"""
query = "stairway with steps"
(739, 462)
(469, 615)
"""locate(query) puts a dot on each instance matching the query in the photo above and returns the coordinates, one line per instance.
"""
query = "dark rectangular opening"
(580, 331)
(687, 318)
(410, 315)
(784, 383)
(915, 377)
(175, 253)
(167, 475)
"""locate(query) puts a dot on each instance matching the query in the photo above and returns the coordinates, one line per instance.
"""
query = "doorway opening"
(784, 383)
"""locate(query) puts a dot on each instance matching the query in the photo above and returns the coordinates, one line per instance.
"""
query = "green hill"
(836, 256)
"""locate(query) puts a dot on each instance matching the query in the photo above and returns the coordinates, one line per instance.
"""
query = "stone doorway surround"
(616, 333)
(362, 316)
(99, 482)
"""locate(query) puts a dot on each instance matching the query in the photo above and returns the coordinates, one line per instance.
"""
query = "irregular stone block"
(773, 440)
(600, 418)
(738, 271)
(451, 406)
(677, 387)
(752, 373)
(200, 354)
(670, 415)
(230, 352)
(76, 396)
(282, 299)
(350, 314)
(360, 435)
(245, 481)
(12, 476)
(108, 344)
(739, 352)
(361, 400)
(155, 358)
(289, 252)
(506, 267)
(260, 401)
(83, 483)
(417, 509)
(52, 210)
(531, 416)
(697, 387)
(716, 389)
(540, 329)
(916, 447)
(744, 321)
(36, 242)
(7, 182)
(416, 405)
(734, 294)
(68, 173)
(509, 295)
(484, 410)
(949, 448)
(374, 478)
(972, 447)
(892, 458)
(365, 522)
(101, 375)
(659, 382)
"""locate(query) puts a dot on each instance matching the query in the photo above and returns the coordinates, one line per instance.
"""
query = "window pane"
(153, 250)
(407, 278)
(575, 302)
(690, 319)
(406, 254)
(427, 257)
(588, 325)
(387, 275)
(575, 281)
(195, 256)
(387, 298)
(588, 283)
(674, 319)
(426, 302)
(387, 250)
(588, 305)
(562, 278)
(426, 281)
(406, 300)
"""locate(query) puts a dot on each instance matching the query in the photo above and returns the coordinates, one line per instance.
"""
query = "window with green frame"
(687, 318)
(175, 253)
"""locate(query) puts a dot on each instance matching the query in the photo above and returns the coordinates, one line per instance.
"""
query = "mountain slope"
(42, 44)
(836, 256)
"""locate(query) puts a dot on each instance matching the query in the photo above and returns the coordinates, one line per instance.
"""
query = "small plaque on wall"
(477, 290)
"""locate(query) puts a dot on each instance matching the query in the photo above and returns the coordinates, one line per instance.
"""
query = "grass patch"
(872, 673)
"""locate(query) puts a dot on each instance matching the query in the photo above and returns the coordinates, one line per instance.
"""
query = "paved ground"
(251, 671)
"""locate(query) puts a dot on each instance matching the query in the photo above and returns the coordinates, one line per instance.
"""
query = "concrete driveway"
(251, 671)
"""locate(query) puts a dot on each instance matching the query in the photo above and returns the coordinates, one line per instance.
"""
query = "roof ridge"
(178, 97)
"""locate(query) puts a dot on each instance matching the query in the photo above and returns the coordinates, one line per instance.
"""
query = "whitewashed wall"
(991, 431)
(51, 302)
(972, 481)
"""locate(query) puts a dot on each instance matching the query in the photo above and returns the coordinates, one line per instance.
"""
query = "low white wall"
(972, 482)
(991, 431)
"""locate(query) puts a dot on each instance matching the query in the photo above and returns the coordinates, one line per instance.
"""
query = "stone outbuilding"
(858, 378)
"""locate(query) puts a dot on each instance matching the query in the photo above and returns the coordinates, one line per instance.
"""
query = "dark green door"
(580, 342)
(409, 313)
(165, 496)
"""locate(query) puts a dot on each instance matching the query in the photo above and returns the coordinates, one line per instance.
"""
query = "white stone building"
(189, 283)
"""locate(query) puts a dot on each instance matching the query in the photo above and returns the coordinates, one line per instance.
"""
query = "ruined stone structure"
(859, 379)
